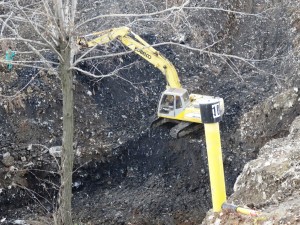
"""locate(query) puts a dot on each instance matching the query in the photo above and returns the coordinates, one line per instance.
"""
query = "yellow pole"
(215, 165)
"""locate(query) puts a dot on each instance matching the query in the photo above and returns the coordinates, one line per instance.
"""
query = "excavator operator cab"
(172, 102)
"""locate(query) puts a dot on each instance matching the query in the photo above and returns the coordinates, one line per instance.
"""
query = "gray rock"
(8, 160)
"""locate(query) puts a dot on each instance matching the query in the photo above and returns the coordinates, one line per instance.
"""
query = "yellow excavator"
(175, 105)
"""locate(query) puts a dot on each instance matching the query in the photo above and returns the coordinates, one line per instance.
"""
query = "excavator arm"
(135, 43)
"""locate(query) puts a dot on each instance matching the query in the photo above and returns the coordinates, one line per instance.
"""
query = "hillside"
(127, 173)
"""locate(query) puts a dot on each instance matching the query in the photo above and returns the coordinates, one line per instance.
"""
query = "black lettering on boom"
(144, 53)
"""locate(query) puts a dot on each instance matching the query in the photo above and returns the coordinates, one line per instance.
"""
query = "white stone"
(23, 158)
(55, 151)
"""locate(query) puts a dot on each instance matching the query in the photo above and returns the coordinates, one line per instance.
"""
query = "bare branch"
(115, 72)
(25, 64)
(24, 40)
(5, 22)
(60, 16)
(36, 197)
(202, 50)
(174, 8)
(194, 8)
(37, 31)
(81, 59)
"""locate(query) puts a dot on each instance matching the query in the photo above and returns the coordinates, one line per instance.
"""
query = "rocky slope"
(270, 183)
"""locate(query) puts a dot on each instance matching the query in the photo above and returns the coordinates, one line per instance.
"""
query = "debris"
(23, 158)
(8, 160)
(9, 56)
(78, 152)
(6, 154)
(29, 147)
(29, 164)
(55, 151)
(21, 222)
(12, 169)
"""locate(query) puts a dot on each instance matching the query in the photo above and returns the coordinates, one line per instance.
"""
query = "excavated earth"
(127, 173)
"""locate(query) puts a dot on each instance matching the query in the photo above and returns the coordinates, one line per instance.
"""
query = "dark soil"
(124, 171)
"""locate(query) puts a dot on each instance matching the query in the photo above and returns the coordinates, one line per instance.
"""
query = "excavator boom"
(135, 43)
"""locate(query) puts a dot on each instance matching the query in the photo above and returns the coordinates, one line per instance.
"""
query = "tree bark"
(64, 216)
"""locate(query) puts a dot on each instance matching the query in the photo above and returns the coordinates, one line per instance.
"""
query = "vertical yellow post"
(215, 165)
(212, 110)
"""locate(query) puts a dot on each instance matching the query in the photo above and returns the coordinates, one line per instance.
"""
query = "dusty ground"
(126, 173)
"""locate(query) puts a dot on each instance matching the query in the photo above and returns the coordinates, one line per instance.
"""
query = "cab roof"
(175, 91)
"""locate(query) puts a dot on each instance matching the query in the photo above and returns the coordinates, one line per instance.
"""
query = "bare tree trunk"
(64, 216)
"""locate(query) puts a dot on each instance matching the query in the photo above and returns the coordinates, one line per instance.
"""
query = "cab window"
(178, 102)
(168, 100)
(185, 97)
